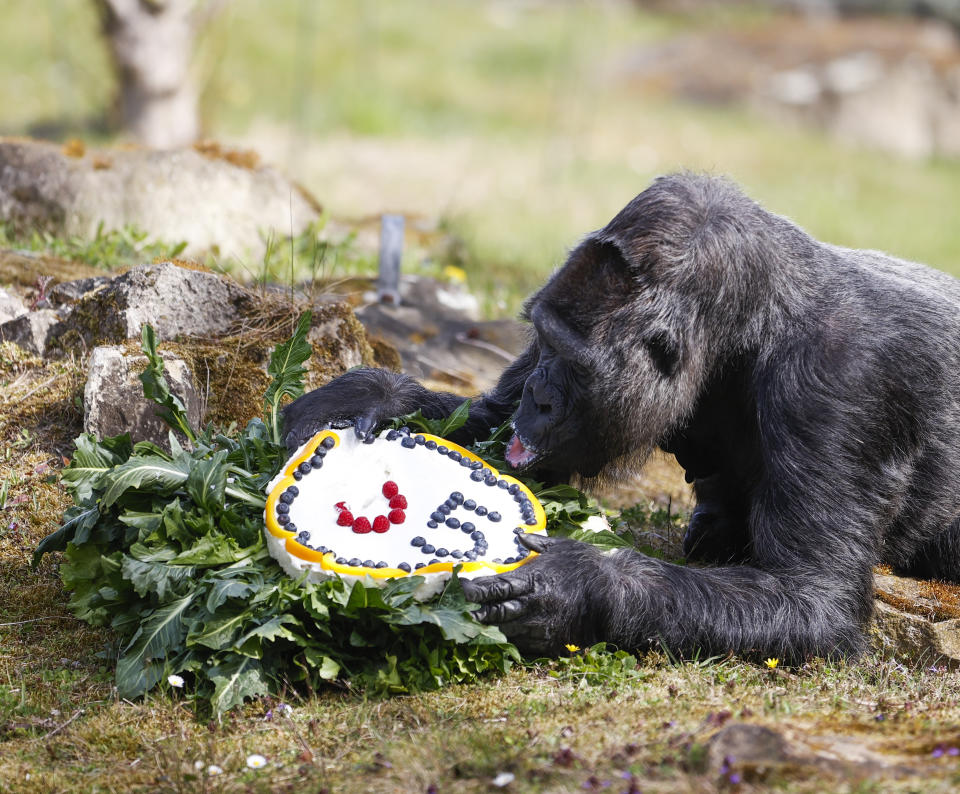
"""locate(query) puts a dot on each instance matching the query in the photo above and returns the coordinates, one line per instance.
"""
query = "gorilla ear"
(665, 351)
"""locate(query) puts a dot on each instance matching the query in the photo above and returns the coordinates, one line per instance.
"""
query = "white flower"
(175, 680)
(285, 708)
(256, 761)
(503, 779)
(198, 765)
(213, 769)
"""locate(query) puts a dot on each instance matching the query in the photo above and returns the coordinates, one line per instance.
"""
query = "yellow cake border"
(327, 561)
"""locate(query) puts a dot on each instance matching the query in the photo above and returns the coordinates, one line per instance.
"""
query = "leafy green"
(286, 369)
(167, 549)
(155, 387)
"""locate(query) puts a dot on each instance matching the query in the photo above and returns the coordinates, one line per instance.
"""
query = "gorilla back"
(811, 393)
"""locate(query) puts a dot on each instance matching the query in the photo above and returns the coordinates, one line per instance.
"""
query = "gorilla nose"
(542, 399)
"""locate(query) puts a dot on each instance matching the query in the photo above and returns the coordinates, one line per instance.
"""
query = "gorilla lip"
(519, 454)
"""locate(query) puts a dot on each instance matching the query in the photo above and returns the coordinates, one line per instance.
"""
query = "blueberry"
(316, 461)
(470, 554)
(286, 497)
(303, 536)
(476, 465)
(513, 489)
(491, 480)
(467, 527)
(341, 560)
(291, 527)
(469, 504)
(322, 549)
(454, 455)
(369, 564)
(380, 564)
(428, 548)
(457, 497)
(418, 541)
(408, 442)
(419, 440)
(503, 484)
(450, 503)
(476, 476)
(432, 524)
(283, 519)
(456, 554)
(328, 443)
(465, 462)
(477, 536)
(445, 509)
(304, 468)
(523, 553)
(517, 530)
(392, 435)
(453, 523)
(405, 430)
(438, 517)
(404, 566)
(442, 450)
(320, 452)
(420, 565)
(354, 562)
(369, 438)
(442, 552)
(481, 510)
(520, 498)
(530, 522)
(297, 475)
(498, 560)
(494, 516)
(430, 444)
(283, 508)
(293, 490)
(509, 561)
(433, 561)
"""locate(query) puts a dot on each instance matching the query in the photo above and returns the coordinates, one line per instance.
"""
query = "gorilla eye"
(664, 352)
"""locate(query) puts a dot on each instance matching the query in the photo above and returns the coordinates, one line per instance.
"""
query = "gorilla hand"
(363, 398)
(549, 602)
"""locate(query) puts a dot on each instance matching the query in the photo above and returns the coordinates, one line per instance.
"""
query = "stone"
(210, 202)
(113, 400)
(10, 306)
(32, 331)
(176, 301)
(67, 293)
(917, 620)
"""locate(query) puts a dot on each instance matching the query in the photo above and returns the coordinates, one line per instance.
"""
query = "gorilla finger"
(502, 612)
(536, 542)
(341, 423)
(364, 425)
(489, 589)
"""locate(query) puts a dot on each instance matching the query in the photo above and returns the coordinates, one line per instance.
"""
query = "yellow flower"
(454, 273)
(572, 648)
(772, 663)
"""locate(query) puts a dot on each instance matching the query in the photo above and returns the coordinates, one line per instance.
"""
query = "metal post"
(391, 252)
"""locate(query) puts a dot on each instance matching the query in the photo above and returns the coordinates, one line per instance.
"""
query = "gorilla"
(810, 392)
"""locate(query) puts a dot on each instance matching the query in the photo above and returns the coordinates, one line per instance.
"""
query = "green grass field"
(513, 125)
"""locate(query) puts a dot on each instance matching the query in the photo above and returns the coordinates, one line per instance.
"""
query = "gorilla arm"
(366, 398)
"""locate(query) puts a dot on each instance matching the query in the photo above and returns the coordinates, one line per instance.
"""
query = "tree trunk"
(152, 46)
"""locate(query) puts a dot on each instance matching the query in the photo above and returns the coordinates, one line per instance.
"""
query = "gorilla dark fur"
(811, 393)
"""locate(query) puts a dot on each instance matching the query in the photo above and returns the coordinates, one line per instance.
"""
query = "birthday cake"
(395, 505)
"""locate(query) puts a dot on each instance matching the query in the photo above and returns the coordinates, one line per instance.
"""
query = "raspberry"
(390, 489)
(399, 501)
(345, 519)
(397, 516)
(362, 525)
(381, 524)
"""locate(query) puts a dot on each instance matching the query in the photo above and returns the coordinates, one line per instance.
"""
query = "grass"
(516, 126)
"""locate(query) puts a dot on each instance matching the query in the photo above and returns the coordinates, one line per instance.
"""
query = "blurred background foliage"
(509, 129)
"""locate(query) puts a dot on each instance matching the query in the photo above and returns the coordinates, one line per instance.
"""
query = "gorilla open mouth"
(520, 454)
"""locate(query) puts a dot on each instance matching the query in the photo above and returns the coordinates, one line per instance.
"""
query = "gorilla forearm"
(737, 609)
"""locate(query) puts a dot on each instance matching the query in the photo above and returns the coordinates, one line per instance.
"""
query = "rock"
(10, 306)
(174, 300)
(181, 195)
(917, 620)
(32, 331)
(69, 292)
(756, 752)
(113, 400)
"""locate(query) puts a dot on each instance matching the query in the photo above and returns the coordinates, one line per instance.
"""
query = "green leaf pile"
(167, 549)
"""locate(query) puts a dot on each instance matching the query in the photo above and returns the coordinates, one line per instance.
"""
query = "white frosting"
(354, 473)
